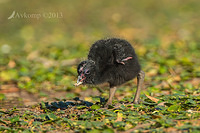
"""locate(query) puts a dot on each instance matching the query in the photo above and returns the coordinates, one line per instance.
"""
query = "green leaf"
(94, 131)
(98, 124)
(109, 130)
(174, 108)
(52, 116)
(88, 125)
(43, 106)
(14, 119)
(94, 107)
(86, 116)
(43, 116)
(190, 101)
(81, 107)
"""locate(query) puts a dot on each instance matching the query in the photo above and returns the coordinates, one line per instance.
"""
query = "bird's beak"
(79, 81)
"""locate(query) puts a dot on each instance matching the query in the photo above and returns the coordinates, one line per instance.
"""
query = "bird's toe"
(137, 101)
(107, 104)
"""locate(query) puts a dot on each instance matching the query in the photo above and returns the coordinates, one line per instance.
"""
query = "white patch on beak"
(79, 81)
(77, 84)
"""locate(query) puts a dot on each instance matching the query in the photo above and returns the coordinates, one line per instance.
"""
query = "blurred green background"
(40, 55)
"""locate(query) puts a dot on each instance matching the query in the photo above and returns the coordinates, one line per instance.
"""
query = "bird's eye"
(80, 70)
(87, 71)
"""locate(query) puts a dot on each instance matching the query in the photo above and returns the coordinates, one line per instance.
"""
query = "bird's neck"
(99, 77)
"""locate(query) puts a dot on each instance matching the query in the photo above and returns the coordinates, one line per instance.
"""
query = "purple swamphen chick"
(114, 61)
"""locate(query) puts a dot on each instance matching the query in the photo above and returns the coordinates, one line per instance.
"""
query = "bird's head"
(86, 72)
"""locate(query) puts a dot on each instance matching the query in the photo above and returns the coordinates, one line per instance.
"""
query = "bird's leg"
(140, 81)
(120, 54)
(111, 94)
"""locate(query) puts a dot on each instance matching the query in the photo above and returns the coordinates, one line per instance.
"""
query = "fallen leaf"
(30, 122)
(156, 116)
(103, 116)
(162, 104)
(152, 98)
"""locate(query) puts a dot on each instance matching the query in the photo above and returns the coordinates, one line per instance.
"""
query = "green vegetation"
(38, 58)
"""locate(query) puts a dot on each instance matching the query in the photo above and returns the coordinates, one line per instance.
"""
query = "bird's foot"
(136, 101)
(106, 106)
(109, 102)
(123, 60)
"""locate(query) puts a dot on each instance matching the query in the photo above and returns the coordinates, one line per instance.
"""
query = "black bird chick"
(114, 61)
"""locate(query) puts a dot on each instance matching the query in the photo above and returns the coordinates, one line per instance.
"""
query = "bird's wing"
(120, 54)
